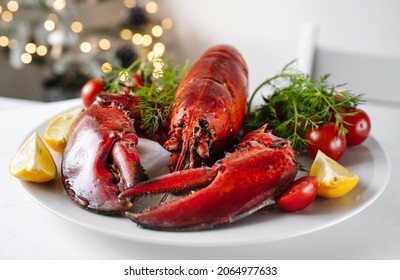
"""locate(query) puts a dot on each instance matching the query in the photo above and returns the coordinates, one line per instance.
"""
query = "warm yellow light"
(4, 41)
(158, 65)
(106, 67)
(167, 23)
(130, 3)
(150, 56)
(49, 25)
(59, 4)
(76, 27)
(41, 50)
(30, 48)
(125, 34)
(12, 44)
(152, 7)
(146, 41)
(123, 76)
(7, 16)
(26, 58)
(53, 17)
(85, 47)
(1, 9)
(137, 39)
(157, 31)
(12, 6)
(104, 44)
(158, 49)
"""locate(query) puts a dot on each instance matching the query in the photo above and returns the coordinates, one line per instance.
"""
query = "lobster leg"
(179, 181)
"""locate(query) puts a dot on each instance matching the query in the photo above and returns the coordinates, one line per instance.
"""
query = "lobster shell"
(210, 107)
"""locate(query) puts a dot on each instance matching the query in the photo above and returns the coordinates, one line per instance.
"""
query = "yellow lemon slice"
(334, 180)
(59, 128)
(33, 161)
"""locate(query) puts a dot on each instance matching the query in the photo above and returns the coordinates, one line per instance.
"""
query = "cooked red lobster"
(101, 168)
(100, 152)
(209, 108)
(262, 167)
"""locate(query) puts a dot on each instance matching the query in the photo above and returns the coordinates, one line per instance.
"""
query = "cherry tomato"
(90, 90)
(300, 195)
(137, 80)
(327, 139)
(358, 128)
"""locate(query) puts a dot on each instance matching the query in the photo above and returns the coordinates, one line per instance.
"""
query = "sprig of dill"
(157, 97)
(298, 104)
(160, 80)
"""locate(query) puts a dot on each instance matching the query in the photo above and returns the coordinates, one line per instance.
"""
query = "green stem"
(296, 117)
(262, 85)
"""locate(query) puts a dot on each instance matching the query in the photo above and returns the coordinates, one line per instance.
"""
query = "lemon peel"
(334, 180)
(33, 161)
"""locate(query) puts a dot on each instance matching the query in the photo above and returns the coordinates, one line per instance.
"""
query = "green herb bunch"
(296, 104)
(154, 83)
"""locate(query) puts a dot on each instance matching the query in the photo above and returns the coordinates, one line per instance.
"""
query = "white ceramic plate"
(368, 160)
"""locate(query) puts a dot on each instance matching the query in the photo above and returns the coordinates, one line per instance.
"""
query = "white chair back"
(377, 77)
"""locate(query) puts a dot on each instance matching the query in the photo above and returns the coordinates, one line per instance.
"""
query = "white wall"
(266, 31)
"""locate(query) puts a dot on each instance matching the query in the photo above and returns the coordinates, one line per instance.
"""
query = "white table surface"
(28, 231)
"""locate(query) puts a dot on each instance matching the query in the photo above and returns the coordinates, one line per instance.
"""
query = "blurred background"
(49, 48)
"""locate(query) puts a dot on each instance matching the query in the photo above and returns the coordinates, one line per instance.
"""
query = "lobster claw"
(101, 158)
(233, 188)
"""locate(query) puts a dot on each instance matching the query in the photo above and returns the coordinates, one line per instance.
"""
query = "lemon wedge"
(33, 161)
(59, 128)
(334, 180)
